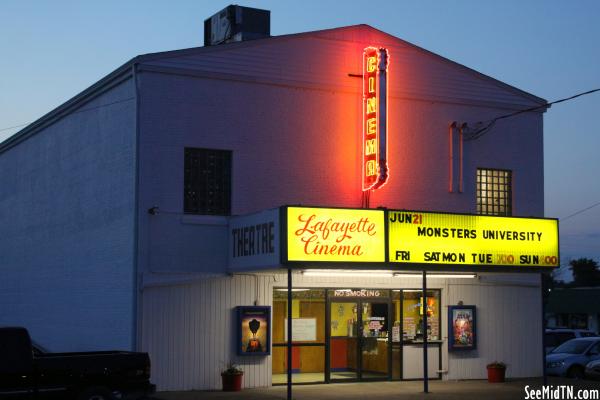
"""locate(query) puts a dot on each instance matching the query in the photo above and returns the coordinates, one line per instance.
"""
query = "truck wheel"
(96, 393)
(576, 372)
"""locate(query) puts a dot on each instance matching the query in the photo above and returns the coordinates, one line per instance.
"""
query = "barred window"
(494, 192)
(207, 182)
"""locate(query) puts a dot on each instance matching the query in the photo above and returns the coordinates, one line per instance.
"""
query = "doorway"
(343, 335)
(359, 339)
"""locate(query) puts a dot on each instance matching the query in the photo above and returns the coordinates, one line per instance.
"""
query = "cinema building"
(162, 208)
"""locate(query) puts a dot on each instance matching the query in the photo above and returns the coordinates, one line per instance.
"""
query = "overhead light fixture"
(430, 275)
(293, 290)
(348, 273)
(379, 274)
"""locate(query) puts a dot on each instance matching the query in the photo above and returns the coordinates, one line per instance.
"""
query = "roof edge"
(116, 76)
(319, 33)
(541, 101)
(101, 85)
(125, 70)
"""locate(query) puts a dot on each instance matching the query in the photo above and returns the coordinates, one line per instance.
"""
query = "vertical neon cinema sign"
(374, 167)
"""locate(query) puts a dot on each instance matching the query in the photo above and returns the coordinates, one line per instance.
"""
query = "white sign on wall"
(254, 241)
(303, 329)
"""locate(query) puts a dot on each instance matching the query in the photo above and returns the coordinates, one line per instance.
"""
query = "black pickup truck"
(26, 372)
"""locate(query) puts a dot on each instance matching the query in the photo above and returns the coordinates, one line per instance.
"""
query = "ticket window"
(407, 331)
(374, 343)
(413, 310)
(308, 336)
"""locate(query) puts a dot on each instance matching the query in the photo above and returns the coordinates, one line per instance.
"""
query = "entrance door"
(359, 342)
(343, 340)
(374, 343)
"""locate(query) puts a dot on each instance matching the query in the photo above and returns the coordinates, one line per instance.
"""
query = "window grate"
(207, 181)
(494, 192)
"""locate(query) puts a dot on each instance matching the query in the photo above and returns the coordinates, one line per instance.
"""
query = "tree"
(585, 272)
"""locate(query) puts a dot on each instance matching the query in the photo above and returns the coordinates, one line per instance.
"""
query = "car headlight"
(556, 364)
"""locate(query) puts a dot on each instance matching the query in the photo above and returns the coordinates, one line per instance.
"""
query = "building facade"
(573, 308)
(118, 208)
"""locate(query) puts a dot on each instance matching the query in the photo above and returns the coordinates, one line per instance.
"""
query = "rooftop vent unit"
(236, 23)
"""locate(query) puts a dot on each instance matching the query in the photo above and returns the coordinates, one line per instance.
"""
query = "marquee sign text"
(436, 238)
(331, 234)
(374, 167)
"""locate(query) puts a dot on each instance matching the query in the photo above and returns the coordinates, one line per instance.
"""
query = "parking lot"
(452, 390)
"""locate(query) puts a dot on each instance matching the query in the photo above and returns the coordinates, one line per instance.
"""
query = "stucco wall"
(290, 108)
(67, 212)
(301, 146)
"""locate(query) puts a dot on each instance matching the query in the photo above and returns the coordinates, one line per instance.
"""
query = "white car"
(556, 337)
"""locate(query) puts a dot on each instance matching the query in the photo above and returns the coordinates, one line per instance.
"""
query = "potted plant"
(496, 371)
(232, 378)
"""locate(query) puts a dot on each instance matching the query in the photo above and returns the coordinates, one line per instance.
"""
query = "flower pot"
(496, 374)
(232, 382)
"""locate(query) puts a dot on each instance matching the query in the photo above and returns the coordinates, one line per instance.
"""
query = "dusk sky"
(52, 50)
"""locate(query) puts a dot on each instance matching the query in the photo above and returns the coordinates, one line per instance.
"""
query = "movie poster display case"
(462, 328)
(253, 330)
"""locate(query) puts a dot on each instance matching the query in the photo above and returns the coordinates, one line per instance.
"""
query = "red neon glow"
(375, 83)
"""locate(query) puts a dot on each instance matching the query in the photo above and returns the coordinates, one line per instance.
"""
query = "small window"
(494, 192)
(207, 182)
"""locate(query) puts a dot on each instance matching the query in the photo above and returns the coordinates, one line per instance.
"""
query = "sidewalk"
(450, 390)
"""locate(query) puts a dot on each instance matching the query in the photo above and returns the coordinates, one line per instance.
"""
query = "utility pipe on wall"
(463, 126)
(451, 129)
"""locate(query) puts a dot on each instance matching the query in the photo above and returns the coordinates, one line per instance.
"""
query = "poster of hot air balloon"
(254, 332)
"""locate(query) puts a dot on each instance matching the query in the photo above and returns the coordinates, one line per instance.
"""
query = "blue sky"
(51, 50)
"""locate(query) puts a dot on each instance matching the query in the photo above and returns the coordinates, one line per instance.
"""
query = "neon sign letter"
(374, 163)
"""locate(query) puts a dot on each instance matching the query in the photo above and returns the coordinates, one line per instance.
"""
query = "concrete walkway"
(447, 390)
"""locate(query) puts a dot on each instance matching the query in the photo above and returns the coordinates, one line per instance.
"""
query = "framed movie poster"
(462, 328)
(253, 330)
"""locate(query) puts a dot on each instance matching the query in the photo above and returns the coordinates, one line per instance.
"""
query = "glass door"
(344, 340)
(374, 340)
(359, 342)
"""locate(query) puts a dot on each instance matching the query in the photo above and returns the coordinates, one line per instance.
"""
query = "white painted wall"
(291, 116)
(188, 327)
(509, 327)
(67, 211)
(189, 331)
